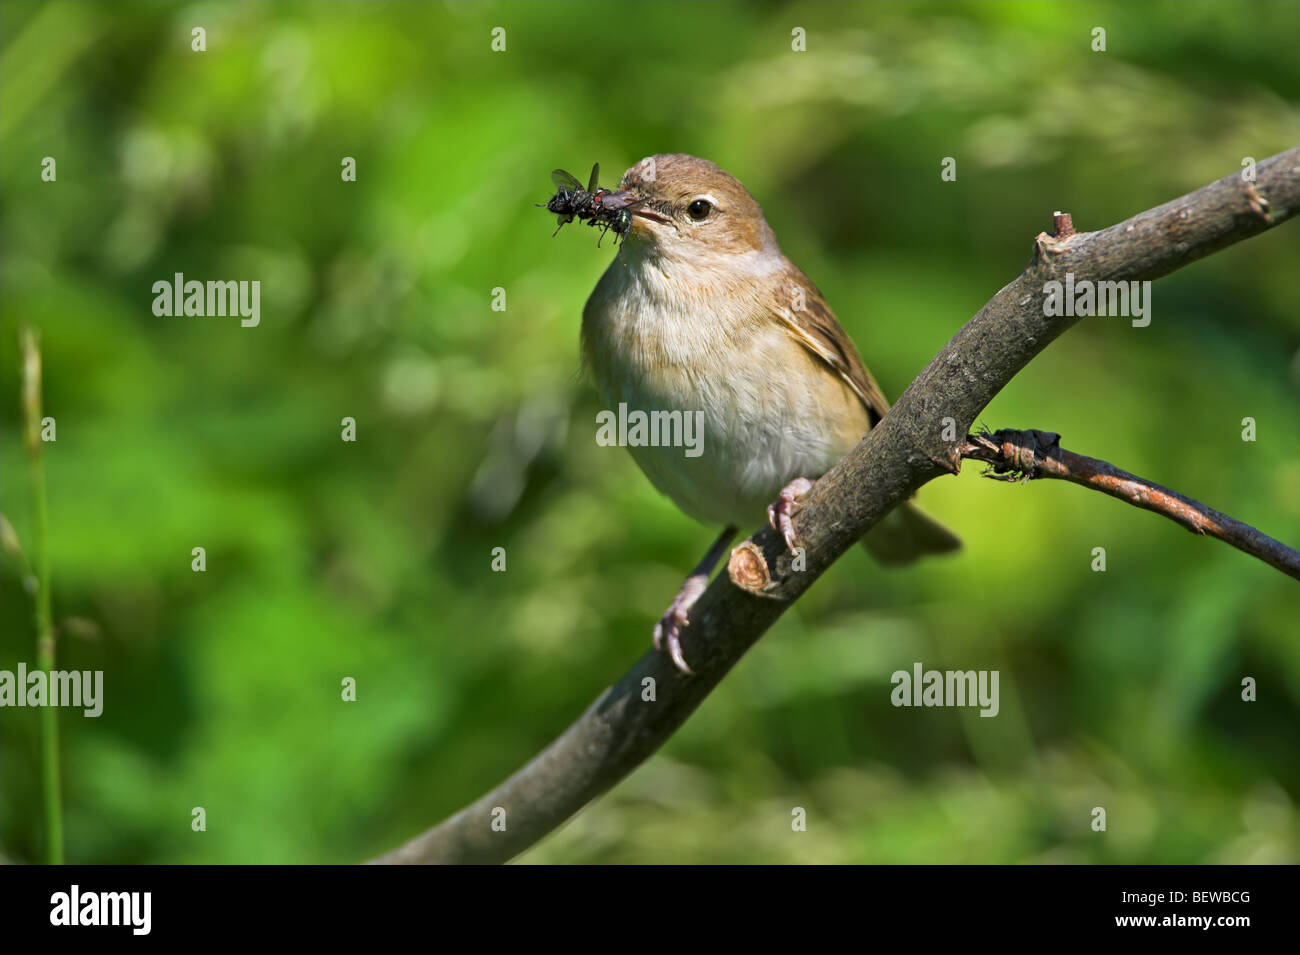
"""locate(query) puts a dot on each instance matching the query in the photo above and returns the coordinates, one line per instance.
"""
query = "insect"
(594, 205)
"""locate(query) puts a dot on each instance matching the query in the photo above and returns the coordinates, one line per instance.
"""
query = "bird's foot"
(780, 514)
(675, 619)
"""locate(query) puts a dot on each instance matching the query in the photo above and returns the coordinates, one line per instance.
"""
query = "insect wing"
(565, 182)
(595, 178)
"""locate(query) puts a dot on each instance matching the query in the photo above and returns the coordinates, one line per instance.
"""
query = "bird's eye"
(699, 209)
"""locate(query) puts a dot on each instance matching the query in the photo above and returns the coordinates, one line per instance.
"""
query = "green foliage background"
(371, 560)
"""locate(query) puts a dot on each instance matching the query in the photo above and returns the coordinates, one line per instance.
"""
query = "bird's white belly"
(761, 425)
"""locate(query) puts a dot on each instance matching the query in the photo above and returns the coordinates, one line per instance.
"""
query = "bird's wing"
(816, 328)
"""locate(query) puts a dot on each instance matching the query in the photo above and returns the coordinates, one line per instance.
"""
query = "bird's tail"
(906, 534)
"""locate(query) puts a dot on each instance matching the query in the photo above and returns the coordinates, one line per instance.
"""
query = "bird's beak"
(647, 221)
(652, 216)
(635, 204)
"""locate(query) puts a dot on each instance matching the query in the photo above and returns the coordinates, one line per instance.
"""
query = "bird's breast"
(769, 410)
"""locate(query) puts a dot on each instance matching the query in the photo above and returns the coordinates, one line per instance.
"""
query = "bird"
(701, 313)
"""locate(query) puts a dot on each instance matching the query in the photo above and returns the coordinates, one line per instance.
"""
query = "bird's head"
(692, 211)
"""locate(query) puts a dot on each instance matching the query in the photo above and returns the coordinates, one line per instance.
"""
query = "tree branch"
(901, 453)
(1027, 455)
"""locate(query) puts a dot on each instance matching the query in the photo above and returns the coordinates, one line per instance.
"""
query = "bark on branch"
(1027, 455)
(904, 451)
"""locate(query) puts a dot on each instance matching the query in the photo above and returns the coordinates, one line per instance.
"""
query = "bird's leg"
(780, 513)
(669, 628)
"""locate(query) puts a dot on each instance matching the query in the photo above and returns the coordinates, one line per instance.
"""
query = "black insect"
(594, 205)
(570, 198)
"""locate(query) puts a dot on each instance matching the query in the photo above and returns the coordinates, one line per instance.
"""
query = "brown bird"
(700, 313)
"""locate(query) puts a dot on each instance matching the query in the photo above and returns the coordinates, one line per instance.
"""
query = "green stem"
(51, 788)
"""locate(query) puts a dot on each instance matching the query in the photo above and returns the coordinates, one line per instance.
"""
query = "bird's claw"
(780, 513)
(669, 630)
(675, 619)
